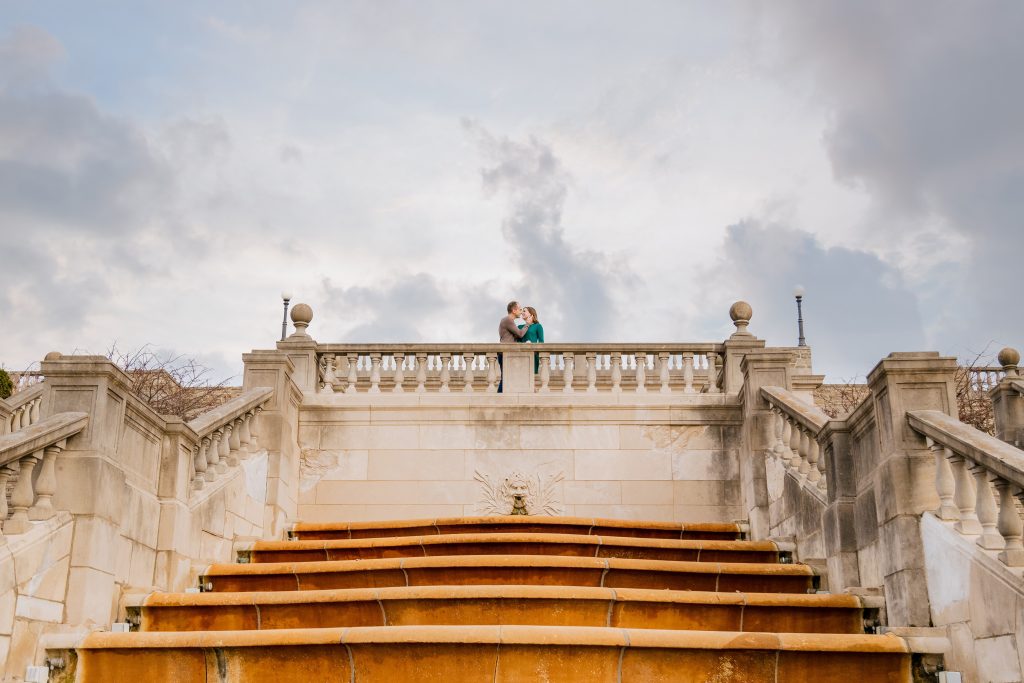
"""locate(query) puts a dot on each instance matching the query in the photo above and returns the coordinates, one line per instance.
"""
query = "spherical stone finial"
(1009, 359)
(53, 355)
(302, 315)
(741, 312)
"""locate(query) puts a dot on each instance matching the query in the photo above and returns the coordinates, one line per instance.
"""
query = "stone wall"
(423, 456)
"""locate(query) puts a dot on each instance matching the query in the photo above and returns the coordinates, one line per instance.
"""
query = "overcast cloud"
(629, 169)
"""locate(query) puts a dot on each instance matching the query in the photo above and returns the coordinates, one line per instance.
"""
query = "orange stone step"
(515, 569)
(513, 544)
(450, 654)
(500, 605)
(517, 524)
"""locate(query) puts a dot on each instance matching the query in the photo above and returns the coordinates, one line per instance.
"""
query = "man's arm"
(511, 327)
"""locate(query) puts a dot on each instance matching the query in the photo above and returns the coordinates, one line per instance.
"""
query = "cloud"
(857, 309)
(574, 289)
(925, 110)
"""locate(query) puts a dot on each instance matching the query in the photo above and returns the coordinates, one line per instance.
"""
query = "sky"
(628, 168)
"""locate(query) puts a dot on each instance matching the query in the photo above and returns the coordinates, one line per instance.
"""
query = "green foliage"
(6, 385)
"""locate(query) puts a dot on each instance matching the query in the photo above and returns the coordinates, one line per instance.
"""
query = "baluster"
(663, 372)
(545, 372)
(781, 435)
(713, 373)
(46, 483)
(421, 372)
(329, 377)
(616, 361)
(965, 496)
(6, 472)
(22, 417)
(446, 376)
(987, 513)
(353, 373)
(235, 440)
(204, 472)
(641, 372)
(813, 453)
(591, 358)
(804, 452)
(254, 439)
(822, 481)
(399, 377)
(245, 436)
(567, 372)
(944, 484)
(794, 444)
(688, 373)
(492, 373)
(1010, 527)
(34, 410)
(213, 457)
(374, 373)
(226, 455)
(467, 375)
(22, 496)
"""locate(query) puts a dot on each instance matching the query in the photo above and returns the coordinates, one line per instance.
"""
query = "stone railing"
(226, 435)
(441, 368)
(968, 464)
(796, 425)
(20, 452)
(22, 409)
(981, 380)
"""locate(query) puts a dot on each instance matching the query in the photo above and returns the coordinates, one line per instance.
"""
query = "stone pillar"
(517, 370)
(760, 368)
(738, 345)
(902, 476)
(278, 430)
(301, 350)
(839, 519)
(1008, 400)
(174, 535)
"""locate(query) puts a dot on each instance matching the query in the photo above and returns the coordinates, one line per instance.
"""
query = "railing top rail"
(24, 396)
(246, 401)
(809, 416)
(550, 347)
(994, 455)
(40, 435)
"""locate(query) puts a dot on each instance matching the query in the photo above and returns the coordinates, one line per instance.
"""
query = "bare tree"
(839, 400)
(973, 404)
(179, 386)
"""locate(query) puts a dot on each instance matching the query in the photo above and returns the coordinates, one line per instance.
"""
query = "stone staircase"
(501, 599)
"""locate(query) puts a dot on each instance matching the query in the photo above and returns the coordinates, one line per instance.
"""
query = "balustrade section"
(795, 428)
(23, 409)
(475, 368)
(226, 435)
(980, 483)
(21, 453)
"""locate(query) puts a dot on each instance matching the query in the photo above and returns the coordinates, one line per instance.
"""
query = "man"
(509, 333)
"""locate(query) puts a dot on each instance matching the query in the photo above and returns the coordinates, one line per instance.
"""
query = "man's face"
(516, 312)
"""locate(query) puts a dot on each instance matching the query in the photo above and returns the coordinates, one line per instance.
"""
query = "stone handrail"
(23, 409)
(19, 454)
(227, 434)
(796, 425)
(566, 367)
(968, 463)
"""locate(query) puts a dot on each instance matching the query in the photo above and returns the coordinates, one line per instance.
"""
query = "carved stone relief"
(516, 493)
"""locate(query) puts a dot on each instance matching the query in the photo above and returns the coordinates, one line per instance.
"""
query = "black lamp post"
(799, 294)
(287, 296)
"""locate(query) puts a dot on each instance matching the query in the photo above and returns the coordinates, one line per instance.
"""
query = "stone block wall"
(446, 456)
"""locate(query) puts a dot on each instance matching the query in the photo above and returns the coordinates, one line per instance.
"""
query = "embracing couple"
(530, 331)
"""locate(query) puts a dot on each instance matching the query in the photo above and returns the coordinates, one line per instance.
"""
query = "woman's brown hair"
(533, 312)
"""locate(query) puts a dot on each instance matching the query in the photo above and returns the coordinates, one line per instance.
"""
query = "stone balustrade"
(566, 368)
(37, 444)
(226, 435)
(795, 428)
(22, 409)
(969, 464)
(984, 379)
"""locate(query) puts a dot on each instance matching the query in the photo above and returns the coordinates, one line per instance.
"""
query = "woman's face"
(527, 316)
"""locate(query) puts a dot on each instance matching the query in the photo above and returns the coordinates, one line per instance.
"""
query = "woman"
(535, 333)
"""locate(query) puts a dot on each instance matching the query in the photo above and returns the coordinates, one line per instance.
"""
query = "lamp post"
(287, 296)
(799, 294)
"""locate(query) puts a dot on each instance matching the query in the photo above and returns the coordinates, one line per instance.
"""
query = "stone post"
(173, 487)
(737, 345)
(839, 519)
(277, 428)
(760, 368)
(1008, 400)
(301, 349)
(902, 476)
(517, 370)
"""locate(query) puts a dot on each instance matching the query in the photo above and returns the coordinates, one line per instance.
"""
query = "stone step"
(511, 570)
(513, 544)
(501, 605)
(517, 524)
(493, 653)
